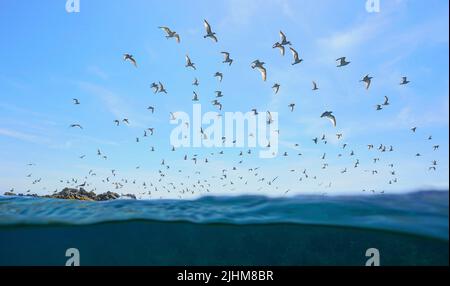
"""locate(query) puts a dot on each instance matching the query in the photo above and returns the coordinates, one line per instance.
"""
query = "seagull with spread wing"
(130, 58)
(260, 66)
(76, 125)
(209, 32)
(342, 62)
(227, 59)
(367, 80)
(297, 60)
(330, 116)
(404, 80)
(170, 33)
(279, 46)
(189, 63)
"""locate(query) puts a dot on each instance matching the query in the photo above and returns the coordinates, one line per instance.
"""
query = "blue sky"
(49, 56)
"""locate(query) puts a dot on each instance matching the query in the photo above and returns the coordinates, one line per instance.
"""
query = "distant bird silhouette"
(227, 58)
(367, 81)
(189, 63)
(260, 66)
(130, 58)
(404, 80)
(76, 126)
(330, 116)
(276, 88)
(219, 75)
(342, 62)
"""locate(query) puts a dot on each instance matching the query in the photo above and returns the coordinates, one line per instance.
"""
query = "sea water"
(406, 229)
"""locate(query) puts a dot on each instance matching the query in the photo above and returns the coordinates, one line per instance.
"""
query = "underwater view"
(407, 229)
(229, 133)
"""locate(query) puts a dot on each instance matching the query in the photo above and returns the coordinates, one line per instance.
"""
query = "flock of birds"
(229, 179)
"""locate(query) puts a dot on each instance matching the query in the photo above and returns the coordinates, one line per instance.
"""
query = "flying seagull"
(330, 116)
(260, 66)
(170, 33)
(314, 86)
(189, 63)
(76, 101)
(195, 98)
(155, 87)
(130, 58)
(283, 39)
(291, 106)
(227, 58)
(219, 75)
(367, 80)
(386, 101)
(277, 45)
(196, 83)
(161, 88)
(404, 80)
(342, 62)
(276, 87)
(76, 125)
(209, 32)
(297, 60)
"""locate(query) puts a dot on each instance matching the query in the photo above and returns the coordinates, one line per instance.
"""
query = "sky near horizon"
(49, 57)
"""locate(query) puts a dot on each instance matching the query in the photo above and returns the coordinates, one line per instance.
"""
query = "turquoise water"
(408, 229)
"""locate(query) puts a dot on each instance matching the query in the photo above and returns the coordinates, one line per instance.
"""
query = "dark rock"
(83, 195)
(9, 194)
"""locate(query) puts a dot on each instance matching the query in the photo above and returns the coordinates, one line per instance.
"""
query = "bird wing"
(166, 30)
(177, 37)
(207, 27)
(294, 54)
(332, 119)
(281, 50)
(133, 61)
(282, 37)
(263, 72)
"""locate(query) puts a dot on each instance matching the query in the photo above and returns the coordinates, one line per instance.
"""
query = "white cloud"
(22, 136)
